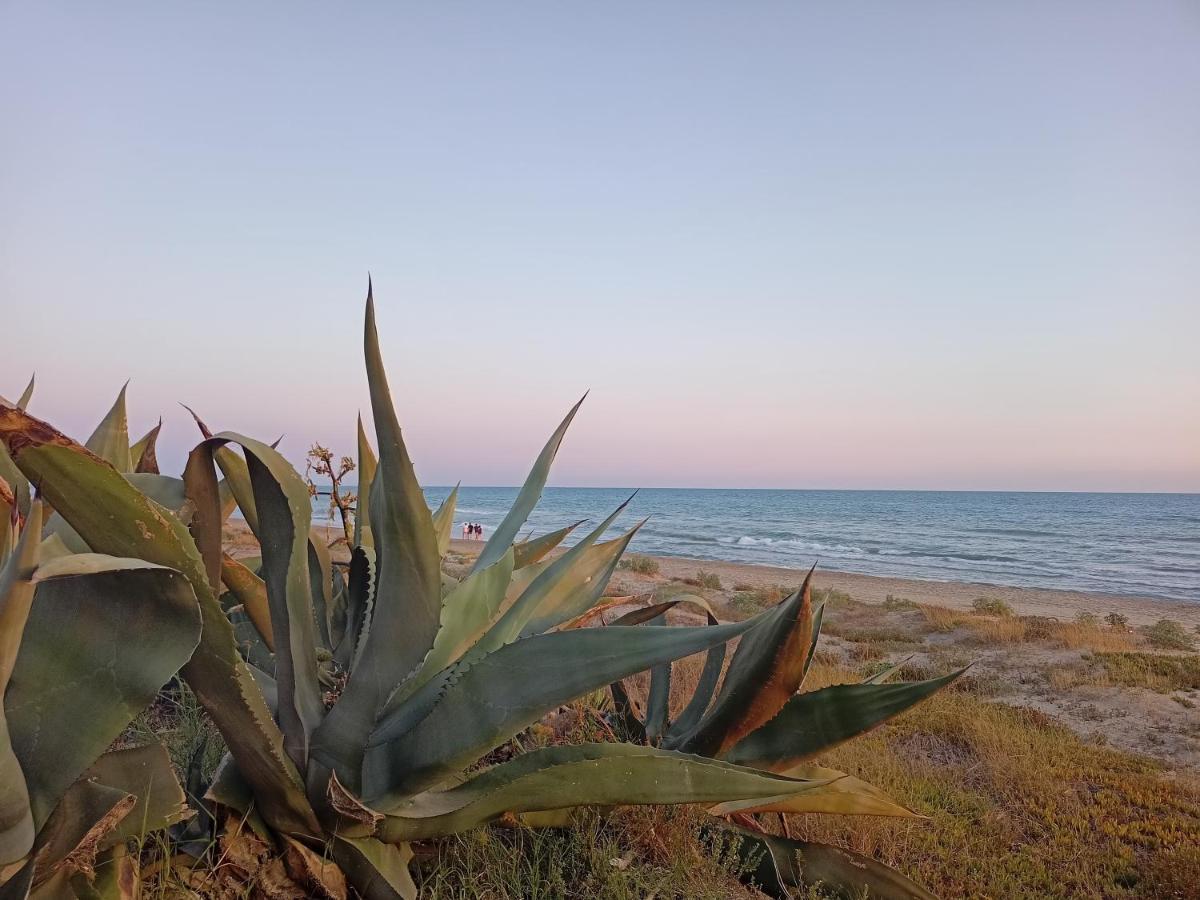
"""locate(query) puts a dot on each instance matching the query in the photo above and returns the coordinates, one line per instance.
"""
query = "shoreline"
(1051, 602)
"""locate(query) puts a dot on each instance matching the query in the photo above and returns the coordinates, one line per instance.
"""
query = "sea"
(1131, 544)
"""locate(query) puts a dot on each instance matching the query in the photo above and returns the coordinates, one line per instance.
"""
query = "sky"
(869, 245)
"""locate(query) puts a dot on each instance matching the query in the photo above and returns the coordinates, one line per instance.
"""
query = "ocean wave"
(813, 546)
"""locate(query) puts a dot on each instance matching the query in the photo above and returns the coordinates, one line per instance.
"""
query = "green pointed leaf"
(377, 870)
(251, 593)
(467, 612)
(766, 670)
(702, 695)
(27, 394)
(237, 478)
(320, 576)
(61, 716)
(367, 464)
(842, 795)
(143, 454)
(443, 521)
(281, 501)
(782, 864)
(110, 440)
(813, 722)
(535, 549)
(476, 705)
(581, 587)
(555, 584)
(16, 598)
(579, 775)
(115, 518)
(531, 492)
(658, 700)
(145, 773)
(408, 595)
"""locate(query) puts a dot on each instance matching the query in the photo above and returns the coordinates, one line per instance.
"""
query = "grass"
(1151, 671)
(1018, 806)
(1167, 634)
(991, 606)
(642, 565)
(630, 854)
(1005, 628)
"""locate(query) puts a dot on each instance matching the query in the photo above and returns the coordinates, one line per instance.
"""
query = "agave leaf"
(766, 670)
(143, 455)
(817, 619)
(110, 440)
(627, 713)
(237, 477)
(251, 592)
(443, 521)
(16, 598)
(360, 605)
(87, 816)
(466, 614)
(320, 576)
(842, 795)
(702, 695)
(162, 489)
(281, 501)
(116, 518)
(61, 717)
(408, 596)
(579, 775)
(27, 394)
(533, 550)
(555, 585)
(144, 773)
(367, 464)
(779, 865)
(658, 700)
(478, 704)
(504, 535)
(588, 577)
(881, 677)
(813, 722)
(377, 870)
(117, 877)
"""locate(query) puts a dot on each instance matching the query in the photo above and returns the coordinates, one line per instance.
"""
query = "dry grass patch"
(943, 619)
(1152, 671)
(1032, 809)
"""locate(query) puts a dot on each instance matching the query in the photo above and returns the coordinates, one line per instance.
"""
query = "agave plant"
(758, 718)
(70, 686)
(374, 693)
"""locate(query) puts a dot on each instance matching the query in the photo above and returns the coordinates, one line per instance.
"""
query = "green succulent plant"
(758, 718)
(68, 802)
(356, 708)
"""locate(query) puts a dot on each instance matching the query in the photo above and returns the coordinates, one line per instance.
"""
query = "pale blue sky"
(924, 245)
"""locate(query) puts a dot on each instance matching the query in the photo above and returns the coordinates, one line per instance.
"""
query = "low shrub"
(709, 580)
(642, 565)
(892, 603)
(1167, 634)
(1151, 671)
(991, 606)
(1117, 622)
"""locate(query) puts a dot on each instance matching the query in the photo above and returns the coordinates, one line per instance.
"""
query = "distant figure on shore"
(466, 530)
(478, 532)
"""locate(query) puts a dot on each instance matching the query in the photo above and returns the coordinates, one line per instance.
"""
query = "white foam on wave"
(747, 540)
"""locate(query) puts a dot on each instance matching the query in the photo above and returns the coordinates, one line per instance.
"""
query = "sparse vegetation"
(642, 565)
(892, 603)
(1167, 634)
(1153, 671)
(1117, 622)
(991, 606)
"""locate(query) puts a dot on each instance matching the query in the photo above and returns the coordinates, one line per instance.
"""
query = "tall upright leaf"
(506, 532)
(443, 521)
(110, 440)
(367, 464)
(408, 595)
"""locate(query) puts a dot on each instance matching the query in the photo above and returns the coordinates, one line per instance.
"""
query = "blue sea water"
(1140, 544)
